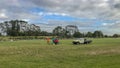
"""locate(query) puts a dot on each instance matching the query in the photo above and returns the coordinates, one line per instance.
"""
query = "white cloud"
(3, 15)
(91, 9)
(104, 24)
(52, 13)
(76, 8)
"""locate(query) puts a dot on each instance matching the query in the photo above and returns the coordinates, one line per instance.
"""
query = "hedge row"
(9, 38)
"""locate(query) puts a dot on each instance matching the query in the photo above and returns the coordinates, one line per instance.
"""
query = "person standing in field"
(52, 40)
(48, 40)
(56, 41)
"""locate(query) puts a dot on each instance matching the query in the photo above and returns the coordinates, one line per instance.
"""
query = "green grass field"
(102, 53)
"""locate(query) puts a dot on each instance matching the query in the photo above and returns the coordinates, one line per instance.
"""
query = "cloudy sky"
(88, 15)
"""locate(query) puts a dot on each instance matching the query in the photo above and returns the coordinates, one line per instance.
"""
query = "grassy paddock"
(102, 53)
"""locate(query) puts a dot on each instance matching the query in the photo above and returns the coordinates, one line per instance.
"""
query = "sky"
(88, 15)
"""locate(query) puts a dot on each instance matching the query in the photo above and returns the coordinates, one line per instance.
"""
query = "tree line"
(61, 32)
(18, 28)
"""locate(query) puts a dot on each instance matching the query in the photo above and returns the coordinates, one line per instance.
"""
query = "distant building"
(71, 29)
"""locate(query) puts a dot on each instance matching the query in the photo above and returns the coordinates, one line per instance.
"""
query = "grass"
(102, 53)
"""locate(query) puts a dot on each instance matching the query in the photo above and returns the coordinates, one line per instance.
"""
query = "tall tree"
(77, 35)
(21, 28)
(59, 31)
(116, 35)
(89, 34)
(98, 34)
